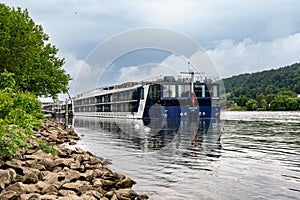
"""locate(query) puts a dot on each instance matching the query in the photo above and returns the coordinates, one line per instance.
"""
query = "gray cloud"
(249, 56)
(239, 36)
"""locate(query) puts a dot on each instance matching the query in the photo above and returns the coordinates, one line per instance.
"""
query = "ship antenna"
(192, 73)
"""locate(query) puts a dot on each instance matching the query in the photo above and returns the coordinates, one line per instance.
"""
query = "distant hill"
(264, 83)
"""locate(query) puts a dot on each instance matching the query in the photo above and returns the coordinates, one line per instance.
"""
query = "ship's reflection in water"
(190, 138)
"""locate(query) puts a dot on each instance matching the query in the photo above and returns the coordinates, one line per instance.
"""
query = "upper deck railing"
(180, 78)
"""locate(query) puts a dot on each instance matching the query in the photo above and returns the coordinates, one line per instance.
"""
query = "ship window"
(199, 90)
(126, 107)
(169, 91)
(142, 93)
(215, 91)
(183, 90)
(107, 108)
(150, 93)
(98, 99)
(156, 91)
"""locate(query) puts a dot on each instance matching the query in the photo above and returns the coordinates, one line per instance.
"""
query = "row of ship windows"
(122, 107)
(168, 91)
(184, 91)
(116, 97)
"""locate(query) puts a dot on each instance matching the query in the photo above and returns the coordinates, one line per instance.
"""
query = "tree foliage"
(265, 82)
(25, 52)
(251, 104)
(20, 112)
(266, 90)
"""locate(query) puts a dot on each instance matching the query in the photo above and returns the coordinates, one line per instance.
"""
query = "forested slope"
(274, 89)
(265, 82)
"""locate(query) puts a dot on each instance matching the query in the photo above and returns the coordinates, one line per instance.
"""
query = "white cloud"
(173, 65)
(80, 72)
(252, 35)
(249, 56)
(145, 72)
(78, 26)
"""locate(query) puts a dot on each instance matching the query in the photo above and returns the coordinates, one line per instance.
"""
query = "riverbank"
(71, 174)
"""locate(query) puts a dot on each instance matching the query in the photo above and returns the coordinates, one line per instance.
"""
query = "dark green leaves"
(24, 51)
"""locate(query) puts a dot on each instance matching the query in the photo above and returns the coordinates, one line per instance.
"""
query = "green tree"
(292, 104)
(298, 101)
(270, 98)
(263, 104)
(241, 101)
(279, 103)
(24, 51)
(251, 104)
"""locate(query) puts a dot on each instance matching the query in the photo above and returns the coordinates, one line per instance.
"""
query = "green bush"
(251, 105)
(237, 108)
(46, 148)
(20, 112)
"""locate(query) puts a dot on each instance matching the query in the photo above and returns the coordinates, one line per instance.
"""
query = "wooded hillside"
(274, 89)
(265, 82)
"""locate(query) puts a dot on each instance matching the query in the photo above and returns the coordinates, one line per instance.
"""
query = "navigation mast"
(192, 79)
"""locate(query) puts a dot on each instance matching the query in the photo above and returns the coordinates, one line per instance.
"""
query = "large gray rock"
(125, 183)
(30, 188)
(54, 178)
(18, 187)
(12, 173)
(6, 195)
(49, 197)
(70, 175)
(88, 175)
(31, 196)
(127, 192)
(62, 162)
(14, 164)
(88, 197)
(73, 197)
(75, 165)
(46, 188)
(31, 175)
(97, 183)
(66, 193)
(47, 163)
(79, 187)
(94, 193)
(4, 178)
(34, 164)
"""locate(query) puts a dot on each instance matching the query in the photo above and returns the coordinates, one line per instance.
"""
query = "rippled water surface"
(254, 155)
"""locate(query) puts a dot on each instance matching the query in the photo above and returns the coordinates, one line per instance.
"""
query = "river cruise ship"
(166, 97)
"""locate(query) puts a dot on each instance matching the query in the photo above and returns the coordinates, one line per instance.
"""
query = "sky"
(238, 36)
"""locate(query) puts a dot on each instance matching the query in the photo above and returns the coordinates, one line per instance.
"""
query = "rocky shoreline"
(70, 175)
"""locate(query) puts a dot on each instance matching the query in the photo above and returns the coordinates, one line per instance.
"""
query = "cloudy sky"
(239, 36)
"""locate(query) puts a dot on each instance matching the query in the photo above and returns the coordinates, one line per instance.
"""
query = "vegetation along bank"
(275, 90)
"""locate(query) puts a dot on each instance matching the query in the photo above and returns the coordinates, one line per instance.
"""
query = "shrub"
(20, 112)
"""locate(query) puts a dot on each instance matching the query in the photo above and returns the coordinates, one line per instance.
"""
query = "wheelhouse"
(179, 100)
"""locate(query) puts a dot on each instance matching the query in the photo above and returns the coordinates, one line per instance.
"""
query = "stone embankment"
(70, 175)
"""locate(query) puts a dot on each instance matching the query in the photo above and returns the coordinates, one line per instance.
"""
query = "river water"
(253, 155)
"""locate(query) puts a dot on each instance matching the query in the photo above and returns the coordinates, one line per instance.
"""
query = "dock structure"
(57, 109)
